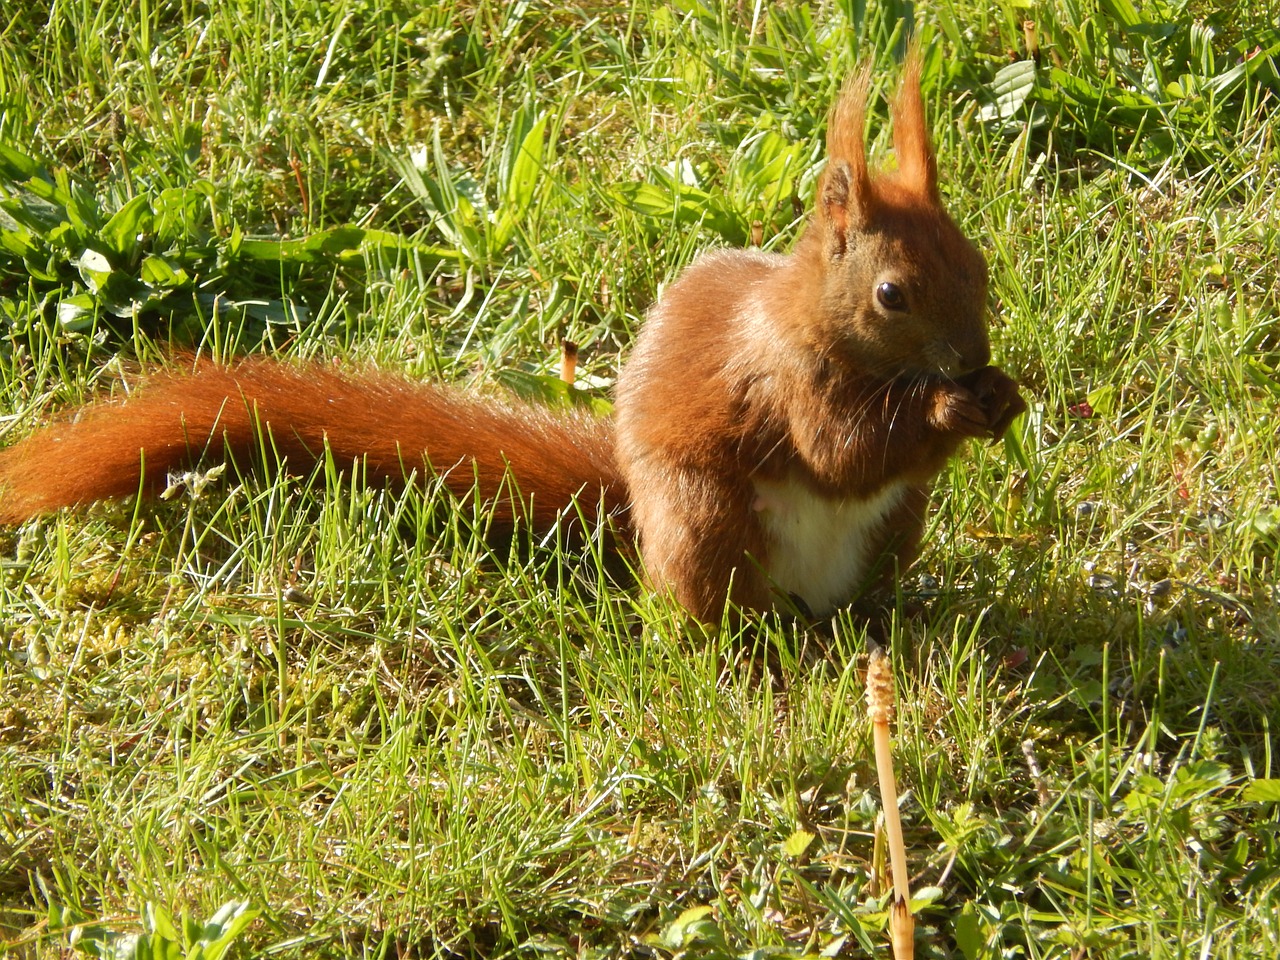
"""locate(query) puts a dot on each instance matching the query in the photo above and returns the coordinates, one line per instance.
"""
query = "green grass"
(337, 707)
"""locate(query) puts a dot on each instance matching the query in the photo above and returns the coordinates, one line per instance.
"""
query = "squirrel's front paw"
(997, 394)
(958, 410)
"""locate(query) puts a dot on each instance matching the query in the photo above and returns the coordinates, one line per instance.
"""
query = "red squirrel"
(777, 425)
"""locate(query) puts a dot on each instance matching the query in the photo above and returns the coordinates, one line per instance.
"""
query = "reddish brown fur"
(917, 165)
(390, 425)
(790, 371)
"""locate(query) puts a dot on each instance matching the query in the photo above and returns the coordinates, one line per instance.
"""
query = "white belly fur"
(818, 548)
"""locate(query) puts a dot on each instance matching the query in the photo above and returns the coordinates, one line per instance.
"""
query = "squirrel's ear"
(845, 197)
(917, 165)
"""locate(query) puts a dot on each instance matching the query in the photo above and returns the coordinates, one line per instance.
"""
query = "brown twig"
(296, 166)
(568, 361)
(880, 709)
(1037, 777)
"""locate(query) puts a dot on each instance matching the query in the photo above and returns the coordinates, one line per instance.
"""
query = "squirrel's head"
(904, 290)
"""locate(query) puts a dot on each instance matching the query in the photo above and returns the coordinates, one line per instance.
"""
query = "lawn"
(302, 717)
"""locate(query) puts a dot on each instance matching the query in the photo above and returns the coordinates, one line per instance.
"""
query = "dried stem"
(880, 710)
(1033, 766)
(568, 361)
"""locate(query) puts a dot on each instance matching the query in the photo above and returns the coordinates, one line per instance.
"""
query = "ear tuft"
(917, 165)
(833, 205)
(845, 196)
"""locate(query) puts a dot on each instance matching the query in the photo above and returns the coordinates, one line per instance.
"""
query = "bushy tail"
(390, 425)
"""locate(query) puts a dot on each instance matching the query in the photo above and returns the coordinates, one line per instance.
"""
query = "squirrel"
(777, 425)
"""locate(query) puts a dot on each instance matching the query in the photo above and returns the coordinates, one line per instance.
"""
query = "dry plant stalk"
(568, 361)
(1037, 776)
(880, 710)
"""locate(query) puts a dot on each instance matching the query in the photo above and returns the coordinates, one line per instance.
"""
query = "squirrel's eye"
(891, 296)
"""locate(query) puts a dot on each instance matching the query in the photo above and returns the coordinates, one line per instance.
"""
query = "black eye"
(891, 296)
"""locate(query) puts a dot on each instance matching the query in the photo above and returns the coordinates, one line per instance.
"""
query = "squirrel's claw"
(998, 395)
(1014, 408)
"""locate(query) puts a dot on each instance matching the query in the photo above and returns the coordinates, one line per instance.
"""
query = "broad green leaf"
(99, 941)
(552, 391)
(128, 307)
(191, 929)
(1200, 778)
(120, 233)
(275, 251)
(1122, 12)
(452, 214)
(387, 242)
(43, 268)
(16, 241)
(1262, 791)
(145, 947)
(1259, 66)
(1112, 103)
(967, 930)
(95, 269)
(156, 919)
(66, 236)
(767, 164)
(47, 190)
(76, 313)
(191, 138)
(924, 897)
(1103, 399)
(646, 198)
(16, 165)
(796, 844)
(224, 926)
(517, 133)
(340, 243)
(520, 188)
(159, 272)
(41, 216)
(180, 212)
(457, 207)
(82, 211)
(60, 916)
(692, 925)
(1009, 88)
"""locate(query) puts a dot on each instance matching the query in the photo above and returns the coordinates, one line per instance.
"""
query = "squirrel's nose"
(977, 356)
(968, 356)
